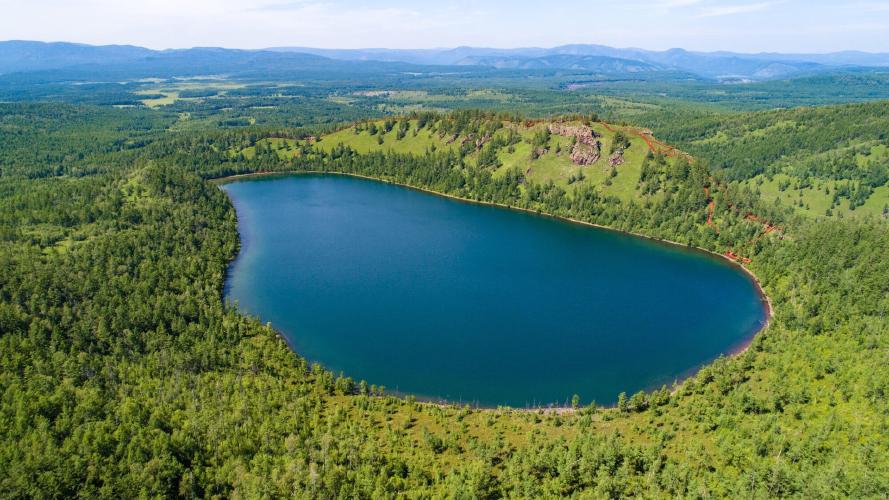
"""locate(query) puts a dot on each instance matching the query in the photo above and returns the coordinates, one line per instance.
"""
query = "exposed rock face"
(585, 154)
(586, 149)
(617, 158)
(470, 138)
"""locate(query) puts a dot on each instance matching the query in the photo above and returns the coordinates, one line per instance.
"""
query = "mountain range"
(18, 56)
(718, 65)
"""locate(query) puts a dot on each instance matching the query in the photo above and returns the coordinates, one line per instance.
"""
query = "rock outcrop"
(587, 148)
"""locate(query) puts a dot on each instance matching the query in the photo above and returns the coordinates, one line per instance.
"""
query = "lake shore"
(736, 350)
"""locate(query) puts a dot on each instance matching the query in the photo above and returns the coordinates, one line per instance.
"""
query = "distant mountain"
(719, 65)
(78, 61)
(727, 65)
(19, 55)
(845, 58)
(563, 61)
(36, 62)
(412, 56)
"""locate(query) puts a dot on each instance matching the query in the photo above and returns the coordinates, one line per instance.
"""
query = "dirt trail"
(654, 145)
(711, 206)
(768, 227)
(659, 147)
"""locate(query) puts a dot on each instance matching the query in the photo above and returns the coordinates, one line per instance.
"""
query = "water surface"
(446, 299)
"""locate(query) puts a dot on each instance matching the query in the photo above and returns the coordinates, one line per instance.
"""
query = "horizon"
(740, 26)
(442, 48)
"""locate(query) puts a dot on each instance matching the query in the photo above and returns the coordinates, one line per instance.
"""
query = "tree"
(622, 403)
(638, 402)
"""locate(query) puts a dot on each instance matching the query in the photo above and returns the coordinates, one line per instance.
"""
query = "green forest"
(123, 372)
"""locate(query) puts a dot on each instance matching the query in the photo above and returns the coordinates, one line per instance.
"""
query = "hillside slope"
(821, 161)
(569, 153)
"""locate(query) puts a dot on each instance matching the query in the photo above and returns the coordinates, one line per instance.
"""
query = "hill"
(21, 55)
(131, 63)
(596, 63)
(821, 161)
(573, 153)
(564, 153)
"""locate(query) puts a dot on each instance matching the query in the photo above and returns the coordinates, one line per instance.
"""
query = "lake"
(477, 304)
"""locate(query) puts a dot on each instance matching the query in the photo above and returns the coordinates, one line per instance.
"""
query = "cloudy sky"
(739, 25)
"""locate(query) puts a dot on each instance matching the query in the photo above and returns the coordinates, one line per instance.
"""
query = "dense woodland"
(124, 374)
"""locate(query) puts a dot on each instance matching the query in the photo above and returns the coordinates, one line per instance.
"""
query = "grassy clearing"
(877, 203)
(554, 165)
(624, 184)
(817, 199)
(776, 128)
(399, 101)
(364, 142)
(624, 107)
(173, 93)
(169, 97)
(285, 148)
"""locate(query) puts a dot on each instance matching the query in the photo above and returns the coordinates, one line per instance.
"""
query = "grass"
(169, 97)
(814, 201)
(624, 107)
(402, 101)
(285, 148)
(424, 97)
(558, 168)
(172, 93)
(550, 166)
(877, 202)
(793, 180)
(624, 185)
(365, 143)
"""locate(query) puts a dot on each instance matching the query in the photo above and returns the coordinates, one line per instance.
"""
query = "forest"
(124, 374)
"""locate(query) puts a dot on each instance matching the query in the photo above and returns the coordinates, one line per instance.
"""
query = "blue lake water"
(445, 299)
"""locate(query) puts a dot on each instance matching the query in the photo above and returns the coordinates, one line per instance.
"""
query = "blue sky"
(738, 25)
